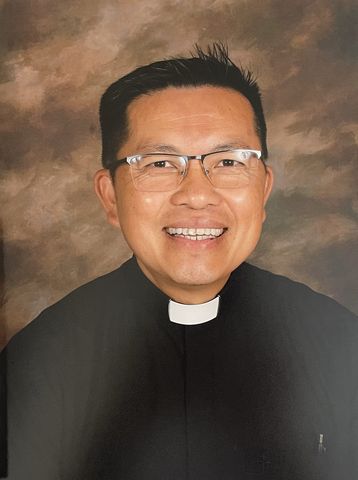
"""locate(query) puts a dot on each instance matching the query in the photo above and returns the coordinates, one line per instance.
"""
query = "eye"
(227, 162)
(158, 166)
(161, 164)
(157, 162)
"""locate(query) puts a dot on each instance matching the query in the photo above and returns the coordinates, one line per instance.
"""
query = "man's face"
(191, 121)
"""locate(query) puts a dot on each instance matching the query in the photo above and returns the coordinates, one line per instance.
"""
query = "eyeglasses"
(162, 172)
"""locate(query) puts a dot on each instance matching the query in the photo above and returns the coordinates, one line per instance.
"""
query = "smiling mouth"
(196, 233)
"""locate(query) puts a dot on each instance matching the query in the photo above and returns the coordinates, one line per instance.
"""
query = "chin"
(195, 276)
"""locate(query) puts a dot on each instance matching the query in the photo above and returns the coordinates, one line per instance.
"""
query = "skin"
(192, 121)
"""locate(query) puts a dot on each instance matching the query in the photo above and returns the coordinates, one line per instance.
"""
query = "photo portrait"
(59, 58)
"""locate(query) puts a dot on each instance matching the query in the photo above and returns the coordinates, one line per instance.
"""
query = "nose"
(196, 190)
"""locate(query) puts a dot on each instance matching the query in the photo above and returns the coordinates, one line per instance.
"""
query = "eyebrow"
(231, 145)
(157, 147)
(166, 148)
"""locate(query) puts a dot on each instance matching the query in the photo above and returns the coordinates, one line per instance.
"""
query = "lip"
(195, 245)
(179, 241)
(198, 223)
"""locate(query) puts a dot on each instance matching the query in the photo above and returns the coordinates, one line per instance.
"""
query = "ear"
(106, 193)
(269, 179)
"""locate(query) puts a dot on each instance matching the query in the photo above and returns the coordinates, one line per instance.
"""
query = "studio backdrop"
(58, 57)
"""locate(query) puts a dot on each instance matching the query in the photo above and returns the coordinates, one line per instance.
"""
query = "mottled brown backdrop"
(59, 56)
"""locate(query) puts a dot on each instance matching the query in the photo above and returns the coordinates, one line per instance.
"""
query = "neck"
(187, 294)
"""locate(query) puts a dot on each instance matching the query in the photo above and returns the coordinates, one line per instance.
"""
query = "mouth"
(195, 234)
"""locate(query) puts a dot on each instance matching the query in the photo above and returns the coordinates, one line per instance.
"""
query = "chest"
(207, 403)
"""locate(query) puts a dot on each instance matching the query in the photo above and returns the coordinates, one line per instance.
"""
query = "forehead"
(187, 115)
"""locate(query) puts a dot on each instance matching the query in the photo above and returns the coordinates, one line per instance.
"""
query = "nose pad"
(196, 191)
(189, 167)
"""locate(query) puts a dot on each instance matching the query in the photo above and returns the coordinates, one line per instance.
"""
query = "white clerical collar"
(193, 314)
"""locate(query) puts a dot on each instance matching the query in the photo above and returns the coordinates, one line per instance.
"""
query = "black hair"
(213, 67)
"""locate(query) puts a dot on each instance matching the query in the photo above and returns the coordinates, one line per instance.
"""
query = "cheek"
(140, 211)
(247, 205)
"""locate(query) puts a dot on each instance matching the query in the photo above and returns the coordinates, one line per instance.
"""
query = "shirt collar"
(193, 314)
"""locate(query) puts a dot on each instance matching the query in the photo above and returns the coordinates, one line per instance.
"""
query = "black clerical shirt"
(103, 386)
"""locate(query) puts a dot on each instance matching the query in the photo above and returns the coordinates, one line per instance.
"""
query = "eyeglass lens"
(161, 172)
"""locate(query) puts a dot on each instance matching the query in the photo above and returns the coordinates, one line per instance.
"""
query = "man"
(186, 362)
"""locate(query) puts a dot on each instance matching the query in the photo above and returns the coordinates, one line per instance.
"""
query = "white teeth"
(195, 233)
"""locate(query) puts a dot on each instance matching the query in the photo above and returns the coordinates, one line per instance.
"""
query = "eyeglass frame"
(129, 160)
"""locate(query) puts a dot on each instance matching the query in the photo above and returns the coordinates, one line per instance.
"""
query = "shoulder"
(83, 311)
(297, 304)
(97, 295)
(279, 288)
